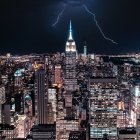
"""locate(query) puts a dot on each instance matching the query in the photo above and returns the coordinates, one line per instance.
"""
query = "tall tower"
(67, 121)
(85, 49)
(70, 64)
(40, 96)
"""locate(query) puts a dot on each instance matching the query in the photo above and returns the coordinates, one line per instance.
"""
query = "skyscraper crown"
(70, 44)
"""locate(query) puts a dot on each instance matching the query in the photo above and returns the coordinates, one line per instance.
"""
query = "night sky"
(26, 25)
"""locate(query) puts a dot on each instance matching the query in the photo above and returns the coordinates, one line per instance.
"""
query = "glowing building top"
(70, 44)
(70, 32)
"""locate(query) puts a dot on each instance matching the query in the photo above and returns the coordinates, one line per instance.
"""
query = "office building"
(103, 107)
(41, 96)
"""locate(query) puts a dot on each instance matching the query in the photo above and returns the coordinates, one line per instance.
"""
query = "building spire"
(70, 32)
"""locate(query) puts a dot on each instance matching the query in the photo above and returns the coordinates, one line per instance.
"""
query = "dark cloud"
(26, 25)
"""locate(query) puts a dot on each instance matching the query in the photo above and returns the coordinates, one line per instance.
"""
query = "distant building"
(18, 78)
(85, 50)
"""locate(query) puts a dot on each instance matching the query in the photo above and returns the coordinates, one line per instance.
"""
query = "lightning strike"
(58, 17)
(98, 26)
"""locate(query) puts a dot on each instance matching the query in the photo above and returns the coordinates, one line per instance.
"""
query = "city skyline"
(70, 95)
(69, 70)
(26, 27)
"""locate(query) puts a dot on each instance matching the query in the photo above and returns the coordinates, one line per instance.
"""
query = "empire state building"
(70, 63)
(70, 44)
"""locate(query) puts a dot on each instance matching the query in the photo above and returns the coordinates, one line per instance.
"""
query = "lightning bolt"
(58, 17)
(98, 26)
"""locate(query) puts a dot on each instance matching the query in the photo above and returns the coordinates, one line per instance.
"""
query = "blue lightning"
(98, 26)
(58, 17)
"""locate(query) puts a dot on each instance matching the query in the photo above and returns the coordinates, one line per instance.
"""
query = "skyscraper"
(40, 96)
(66, 120)
(103, 107)
(85, 50)
(2, 100)
(70, 63)
(57, 75)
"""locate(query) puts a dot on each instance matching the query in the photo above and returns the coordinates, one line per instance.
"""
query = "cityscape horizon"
(69, 70)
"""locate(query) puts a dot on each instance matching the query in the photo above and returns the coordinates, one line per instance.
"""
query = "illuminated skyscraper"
(70, 68)
(66, 120)
(40, 96)
(85, 50)
(52, 106)
(57, 75)
(2, 100)
(70, 72)
(103, 107)
(135, 103)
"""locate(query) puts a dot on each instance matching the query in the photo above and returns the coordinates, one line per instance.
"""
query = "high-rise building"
(2, 100)
(135, 104)
(52, 106)
(22, 126)
(57, 75)
(66, 116)
(18, 102)
(40, 96)
(18, 78)
(85, 50)
(70, 63)
(103, 107)
(6, 114)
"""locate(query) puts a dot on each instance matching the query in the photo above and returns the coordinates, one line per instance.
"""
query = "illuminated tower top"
(70, 44)
(70, 32)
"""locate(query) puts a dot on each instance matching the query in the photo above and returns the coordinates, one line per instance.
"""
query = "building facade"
(40, 96)
(103, 107)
